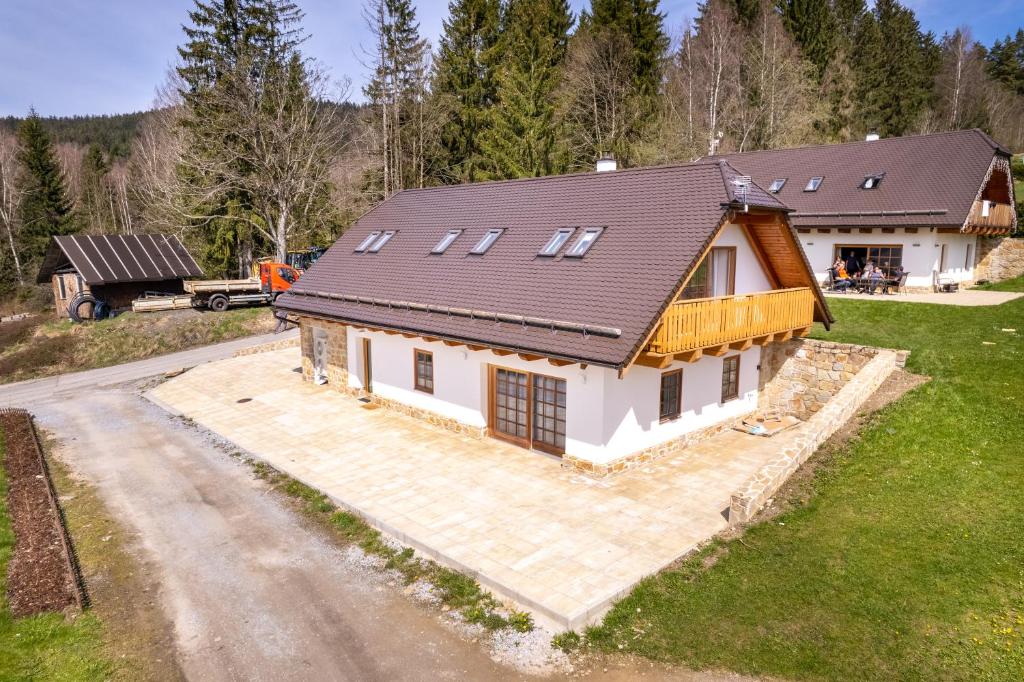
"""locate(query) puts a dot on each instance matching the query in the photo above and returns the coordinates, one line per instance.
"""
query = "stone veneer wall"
(752, 495)
(999, 258)
(800, 376)
(267, 347)
(337, 351)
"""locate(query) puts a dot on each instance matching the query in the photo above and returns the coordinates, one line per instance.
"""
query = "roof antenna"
(742, 182)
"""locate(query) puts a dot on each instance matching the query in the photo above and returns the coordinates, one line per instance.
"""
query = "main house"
(603, 317)
(933, 204)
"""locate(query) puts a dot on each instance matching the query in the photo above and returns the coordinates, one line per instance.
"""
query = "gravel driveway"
(252, 592)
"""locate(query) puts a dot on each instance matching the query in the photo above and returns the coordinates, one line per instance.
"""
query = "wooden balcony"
(715, 325)
(999, 219)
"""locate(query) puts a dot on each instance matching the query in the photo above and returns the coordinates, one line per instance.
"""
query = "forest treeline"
(252, 148)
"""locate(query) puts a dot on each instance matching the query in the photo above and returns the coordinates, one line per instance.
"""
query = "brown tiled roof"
(657, 222)
(109, 259)
(930, 180)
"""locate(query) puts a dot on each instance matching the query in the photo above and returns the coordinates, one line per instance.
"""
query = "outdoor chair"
(901, 285)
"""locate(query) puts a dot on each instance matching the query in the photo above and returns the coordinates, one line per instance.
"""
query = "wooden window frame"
(492, 410)
(726, 361)
(416, 352)
(664, 417)
(709, 276)
(868, 247)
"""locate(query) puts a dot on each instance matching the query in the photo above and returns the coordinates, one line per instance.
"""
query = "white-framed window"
(446, 241)
(381, 241)
(365, 244)
(487, 241)
(777, 185)
(814, 183)
(872, 181)
(584, 242)
(558, 239)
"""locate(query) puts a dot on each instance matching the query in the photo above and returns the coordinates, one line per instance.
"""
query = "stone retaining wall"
(752, 495)
(267, 347)
(800, 376)
(999, 258)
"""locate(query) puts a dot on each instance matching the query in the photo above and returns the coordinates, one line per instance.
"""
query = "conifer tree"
(644, 26)
(895, 67)
(523, 136)
(813, 27)
(465, 81)
(45, 209)
(1005, 62)
(93, 195)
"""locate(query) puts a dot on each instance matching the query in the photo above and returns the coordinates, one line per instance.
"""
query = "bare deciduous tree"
(10, 197)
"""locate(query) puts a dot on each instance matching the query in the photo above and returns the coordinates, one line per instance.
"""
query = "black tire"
(219, 303)
(76, 302)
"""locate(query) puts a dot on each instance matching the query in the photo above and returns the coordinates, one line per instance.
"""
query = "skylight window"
(446, 241)
(557, 241)
(365, 244)
(777, 185)
(813, 184)
(381, 241)
(584, 242)
(487, 241)
(872, 181)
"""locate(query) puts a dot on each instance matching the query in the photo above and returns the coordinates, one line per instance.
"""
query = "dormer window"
(872, 181)
(584, 242)
(558, 239)
(777, 185)
(381, 241)
(486, 242)
(813, 184)
(365, 244)
(446, 241)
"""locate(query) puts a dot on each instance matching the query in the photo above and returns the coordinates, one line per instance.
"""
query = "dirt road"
(252, 592)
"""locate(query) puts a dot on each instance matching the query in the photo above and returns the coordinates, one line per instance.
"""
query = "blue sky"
(108, 56)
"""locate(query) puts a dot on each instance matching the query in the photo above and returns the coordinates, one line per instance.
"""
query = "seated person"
(894, 281)
(842, 281)
(876, 279)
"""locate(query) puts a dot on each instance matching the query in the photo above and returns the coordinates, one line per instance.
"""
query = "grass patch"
(36, 348)
(1015, 284)
(456, 591)
(45, 646)
(905, 561)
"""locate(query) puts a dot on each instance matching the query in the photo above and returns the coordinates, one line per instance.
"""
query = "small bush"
(567, 641)
(521, 621)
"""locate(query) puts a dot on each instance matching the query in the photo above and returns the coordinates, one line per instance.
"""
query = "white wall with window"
(920, 252)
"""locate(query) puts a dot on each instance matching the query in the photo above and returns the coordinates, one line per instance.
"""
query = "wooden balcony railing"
(999, 216)
(708, 322)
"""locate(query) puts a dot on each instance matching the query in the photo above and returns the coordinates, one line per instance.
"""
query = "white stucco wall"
(921, 252)
(749, 275)
(606, 417)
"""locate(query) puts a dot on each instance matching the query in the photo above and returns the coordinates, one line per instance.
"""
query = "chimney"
(871, 137)
(606, 163)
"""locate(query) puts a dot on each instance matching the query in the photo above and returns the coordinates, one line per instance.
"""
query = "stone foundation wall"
(337, 351)
(267, 347)
(999, 258)
(800, 376)
(752, 495)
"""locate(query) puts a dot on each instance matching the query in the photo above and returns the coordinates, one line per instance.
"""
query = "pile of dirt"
(39, 576)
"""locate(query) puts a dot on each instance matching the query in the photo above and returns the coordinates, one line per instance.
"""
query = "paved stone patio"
(557, 542)
(964, 297)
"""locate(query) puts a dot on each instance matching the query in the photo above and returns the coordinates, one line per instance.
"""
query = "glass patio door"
(528, 409)
(511, 405)
(549, 414)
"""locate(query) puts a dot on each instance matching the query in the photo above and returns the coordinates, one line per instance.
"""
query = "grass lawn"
(907, 562)
(1015, 284)
(42, 346)
(44, 647)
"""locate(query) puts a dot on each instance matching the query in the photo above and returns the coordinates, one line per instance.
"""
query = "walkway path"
(24, 392)
(562, 544)
(965, 297)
